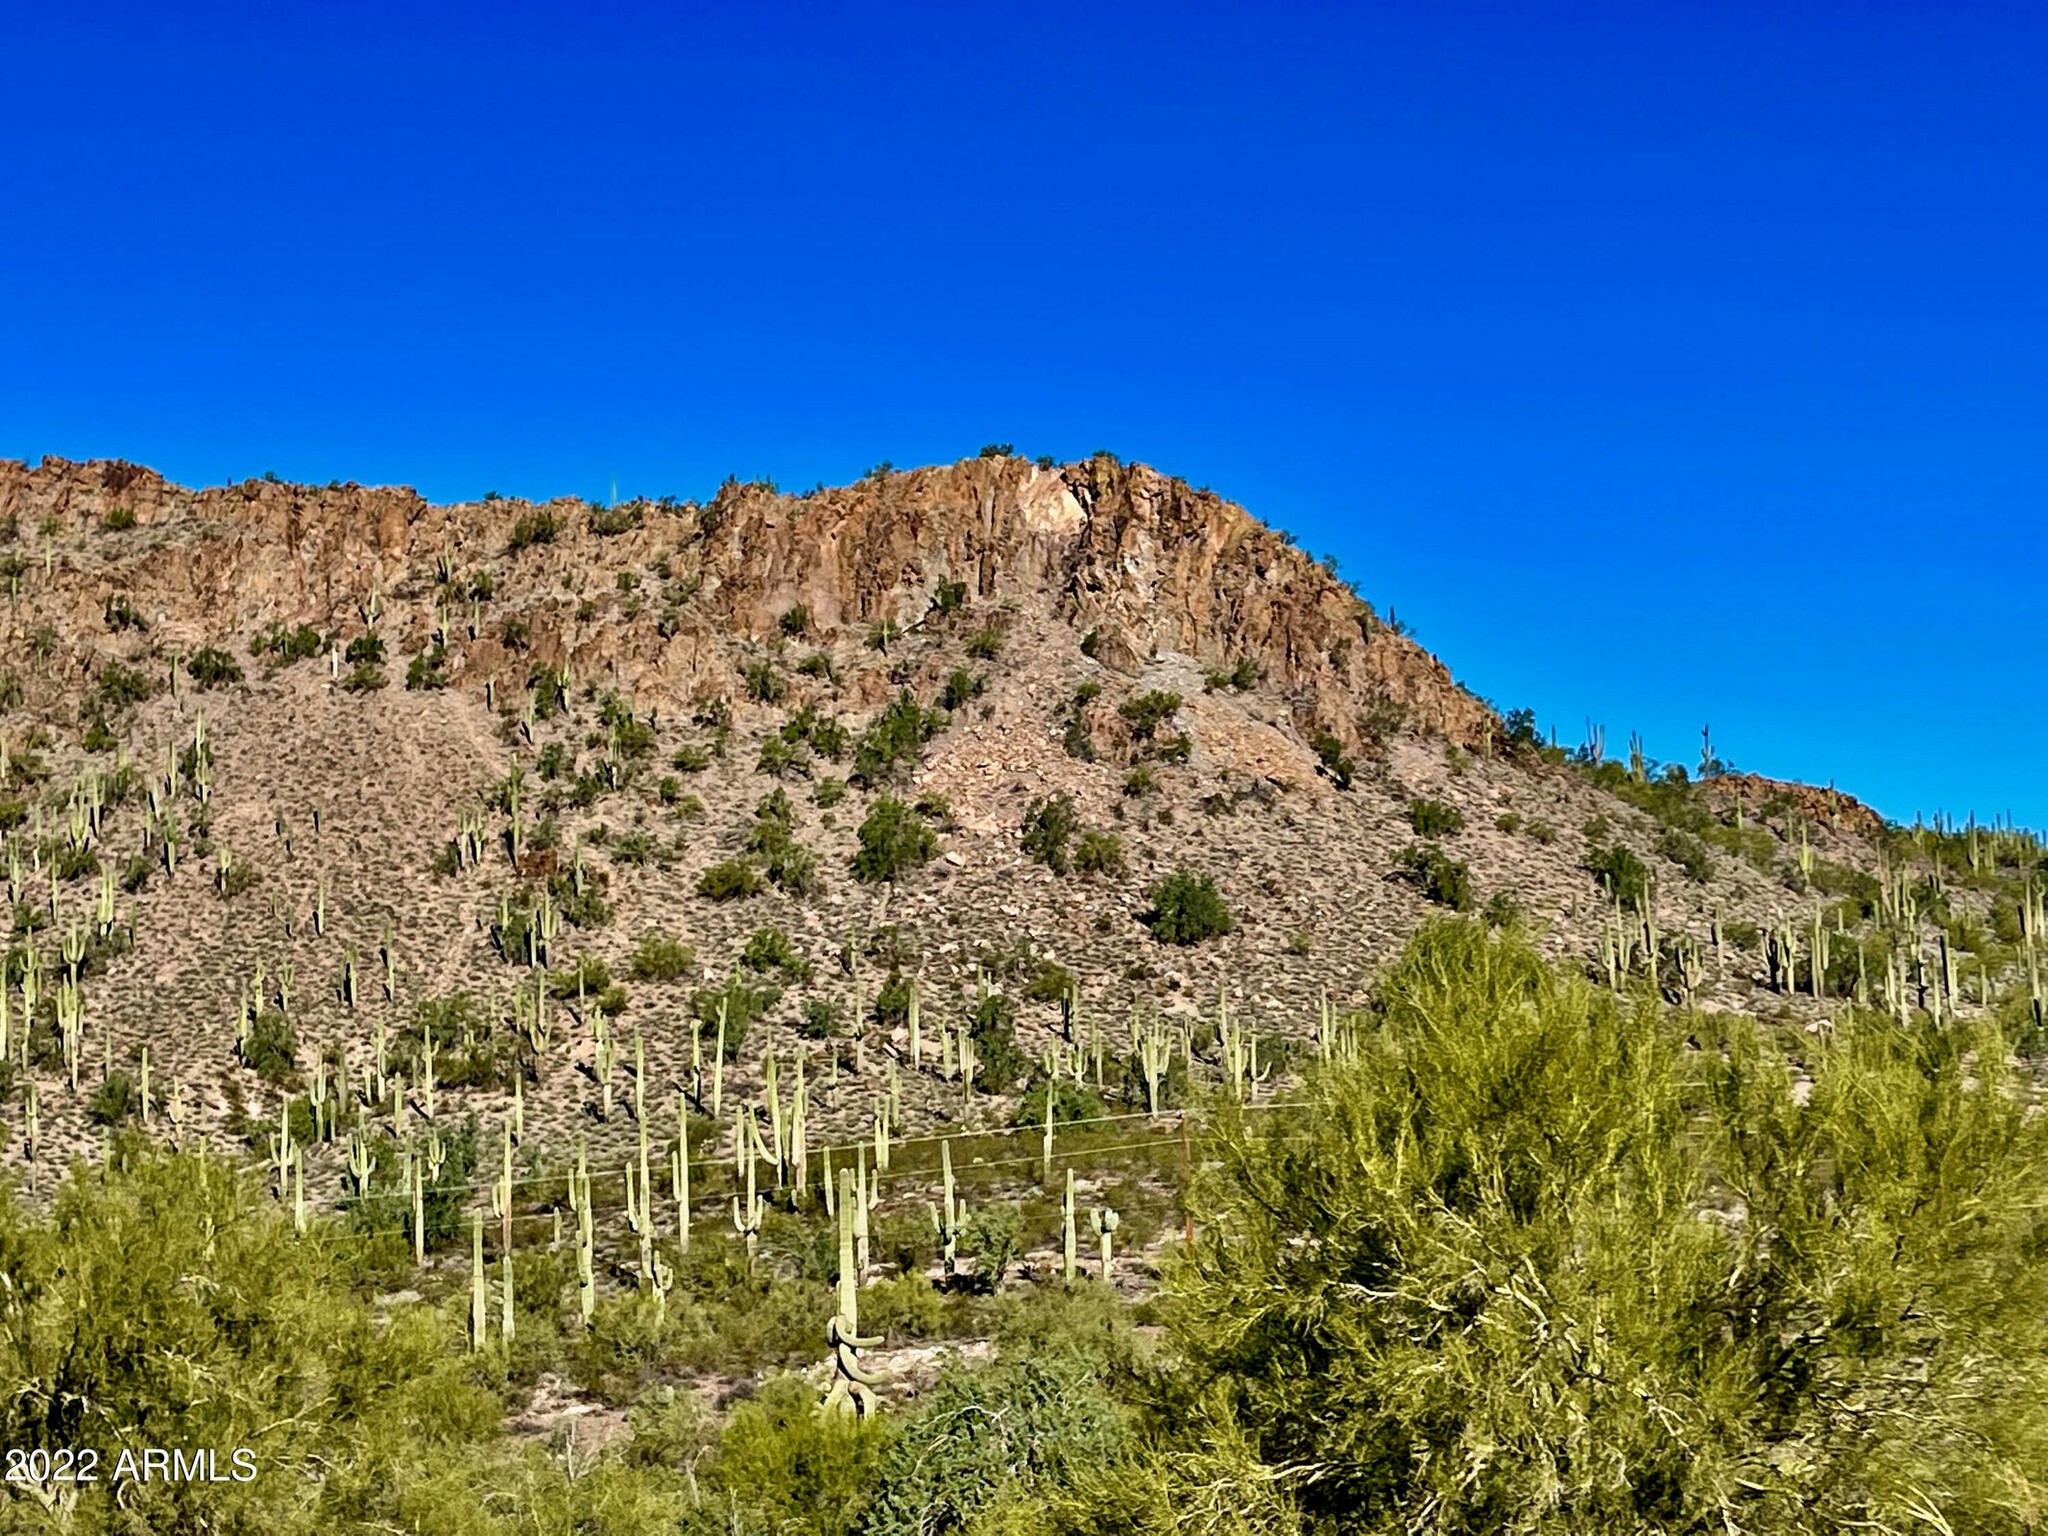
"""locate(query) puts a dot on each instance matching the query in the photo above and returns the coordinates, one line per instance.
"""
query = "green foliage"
(118, 688)
(1439, 877)
(765, 685)
(770, 949)
(1433, 818)
(536, 527)
(962, 687)
(609, 522)
(1623, 876)
(999, 1061)
(796, 1469)
(1017, 1431)
(1099, 853)
(1336, 763)
(1514, 1166)
(366, 649)
(213, 668)
(894, 840)
(985, 644)
(1049, 824)
(1241, 678)
(892, 743)
(120, 615)
(660, 957)
(1071, 1103)
(744, 1002)
(271, 1050)
(115, 1100)
(791, 868)
(993, 1239)
(1688, 853)
(428, 670)
(1146, 712)
(729, 880)
(1186, 909)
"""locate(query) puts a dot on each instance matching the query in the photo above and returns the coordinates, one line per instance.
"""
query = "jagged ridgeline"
(615, 922)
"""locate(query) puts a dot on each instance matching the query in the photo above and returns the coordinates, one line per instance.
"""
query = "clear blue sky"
(1659, 363)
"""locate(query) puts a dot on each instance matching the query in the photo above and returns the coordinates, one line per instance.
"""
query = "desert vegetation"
(1002, 1077)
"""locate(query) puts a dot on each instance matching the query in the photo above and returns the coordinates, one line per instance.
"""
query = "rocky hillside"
(306, 786)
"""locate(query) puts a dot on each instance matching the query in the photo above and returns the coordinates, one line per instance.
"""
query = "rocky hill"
(304, 785)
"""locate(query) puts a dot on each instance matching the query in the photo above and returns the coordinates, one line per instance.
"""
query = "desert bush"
(962, 687)
(743, 1001)
(1502, 1121)
(765, 685)
(1439, 877)
(770, 949)
(1623, 876)
(894, 840)
(536, 527)
(1099, 853)
(729, 880)
(1336, 763)
(1146, 712)
(1017, 1434)
(660, 957)
(213, 668)
(1186, 909)
(271, 1049)
(1433, 818)
(1687, 852)
(892, 743)
(1049, 824)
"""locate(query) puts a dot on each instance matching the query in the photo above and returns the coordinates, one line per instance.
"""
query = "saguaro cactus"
(852, 1389)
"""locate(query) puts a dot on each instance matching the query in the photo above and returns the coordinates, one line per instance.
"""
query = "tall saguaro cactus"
(852, 1389)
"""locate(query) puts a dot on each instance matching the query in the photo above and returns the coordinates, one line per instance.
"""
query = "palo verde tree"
(1529, 1262)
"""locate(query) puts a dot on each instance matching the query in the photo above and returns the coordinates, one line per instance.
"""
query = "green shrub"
(1687, 852)
(744, 1002)
(536, 527)
(1146, 712)
(1186, 909)
(1049, 824)
(115, 1100)
(1439, 877)
(892, 743)
(1623, 876)
(893, 841)
(661, 958)
(428, 670)
(1432, 818)
(1099, 853)
(985, 644)
(1553, 1133)
(770, 949)
(765, 685)
(795, 622)
(119, 687)
(1330, 753)
(1016, 1433)
(271, 1049)
(961, 688)
(366, 649)
(729, 880)
(212, 668)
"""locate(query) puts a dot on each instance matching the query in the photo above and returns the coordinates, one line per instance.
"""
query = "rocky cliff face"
(1137, 560)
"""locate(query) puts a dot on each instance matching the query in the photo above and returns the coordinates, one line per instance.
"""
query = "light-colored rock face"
(1140, 560)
